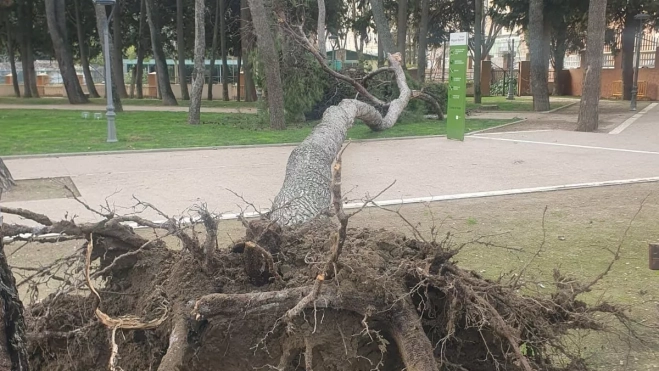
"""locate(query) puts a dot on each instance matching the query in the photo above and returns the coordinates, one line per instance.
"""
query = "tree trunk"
(246, 44)
(401, 30)
(12, 61)
(539, 59)
(199, 51)
(31, 71)
(164, 86)
(180, 51)
(320, 28)
(628, 40)
(84, 59)
(588, 110)
(139, 66)
(238, 84)
(478, 48)
(216, 26)
(268, 53)
(118, 51)
(56, 18)
(423, 39)
(223, 47)
(559, 64)
(306, 189)
(382, 27)
(25, 26)
(101, 21)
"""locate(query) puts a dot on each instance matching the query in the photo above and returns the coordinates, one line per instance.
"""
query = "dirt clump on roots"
(232, 310)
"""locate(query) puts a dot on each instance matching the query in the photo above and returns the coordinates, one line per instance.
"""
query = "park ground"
(574, 230)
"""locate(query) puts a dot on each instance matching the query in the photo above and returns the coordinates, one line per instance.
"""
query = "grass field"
(520, 104)
(62, 131)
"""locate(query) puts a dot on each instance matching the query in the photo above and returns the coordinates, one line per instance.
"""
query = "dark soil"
(456, 309)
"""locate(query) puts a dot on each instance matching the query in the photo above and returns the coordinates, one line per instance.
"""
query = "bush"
(439, 91)
(499, 88)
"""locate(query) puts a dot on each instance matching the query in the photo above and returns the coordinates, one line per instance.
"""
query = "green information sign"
(457, 88)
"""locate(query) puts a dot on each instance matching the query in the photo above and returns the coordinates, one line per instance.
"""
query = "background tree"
(118, 49)
(270, 60)
(101, 21)
(56, 17)
(164, 86)
(401, 30)
(180, 50)
(199, 74)
(213, 55)
(478, 41)
(589, 105)
(83, 49)
(223, 47)
(539, 57)
(24, 10)
(423, 39)
(9, 42)
(382, 23)
(247, 46)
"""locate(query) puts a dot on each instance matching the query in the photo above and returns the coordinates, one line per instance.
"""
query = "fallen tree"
(300, 291)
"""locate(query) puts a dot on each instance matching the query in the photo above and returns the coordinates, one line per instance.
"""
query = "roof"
(351, 55)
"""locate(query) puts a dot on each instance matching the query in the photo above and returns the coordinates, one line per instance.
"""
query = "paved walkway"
(100, 108)
(486, 162)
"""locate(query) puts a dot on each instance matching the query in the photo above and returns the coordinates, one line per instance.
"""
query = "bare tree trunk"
(140, 51)
(628, 41)
(246, 44)
(423, 39)
(478, 47)
(306, 189)
(320, 28)
(216, 26)
(180, 51)
(24, 12)
(56, 18)
(12, 60)
(588, 110)
(164, 85)
(199, 51)
(101, 21)
(270, 58)
(84, 58)
(118, 51)
(31, 71)
(382, 26)
(539, 58)
(559, 64)
(223, 47)
(401, 30)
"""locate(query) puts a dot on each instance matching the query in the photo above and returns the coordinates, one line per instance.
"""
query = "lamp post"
(109, 114)
(511, 68)
(639, 41)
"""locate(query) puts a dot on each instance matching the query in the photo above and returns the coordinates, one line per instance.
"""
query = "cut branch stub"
(305, 193)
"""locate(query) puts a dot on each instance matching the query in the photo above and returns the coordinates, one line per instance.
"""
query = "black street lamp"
(112, 129)
(639, 41)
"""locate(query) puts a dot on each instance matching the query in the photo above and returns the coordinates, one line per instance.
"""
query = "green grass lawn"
(128, 102)
(55, 131)
(520, 104)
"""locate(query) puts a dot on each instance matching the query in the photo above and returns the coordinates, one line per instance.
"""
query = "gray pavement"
(175, 181)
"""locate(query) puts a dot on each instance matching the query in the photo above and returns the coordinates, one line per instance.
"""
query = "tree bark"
(216, 26)
(180, 51)
(118, 51)
(588, 110)
(628, 41)
(559, 64)
(139, 66)
(306, 189)
(101, 21)
(423, 40)
(539, 58)
(401, 30)
(84, 58)
(320, 28)
(382, 27)
(268, 53)
(56, 18)
(246, 44)
(164, 86)
(223, 47)
(12, 60)
(24, 12)
(478, 48)
(199, 51)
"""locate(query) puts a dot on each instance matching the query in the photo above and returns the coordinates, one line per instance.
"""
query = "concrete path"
(487, 162)
(128, 108)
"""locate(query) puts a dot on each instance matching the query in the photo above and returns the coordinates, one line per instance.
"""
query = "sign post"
(457, 87)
